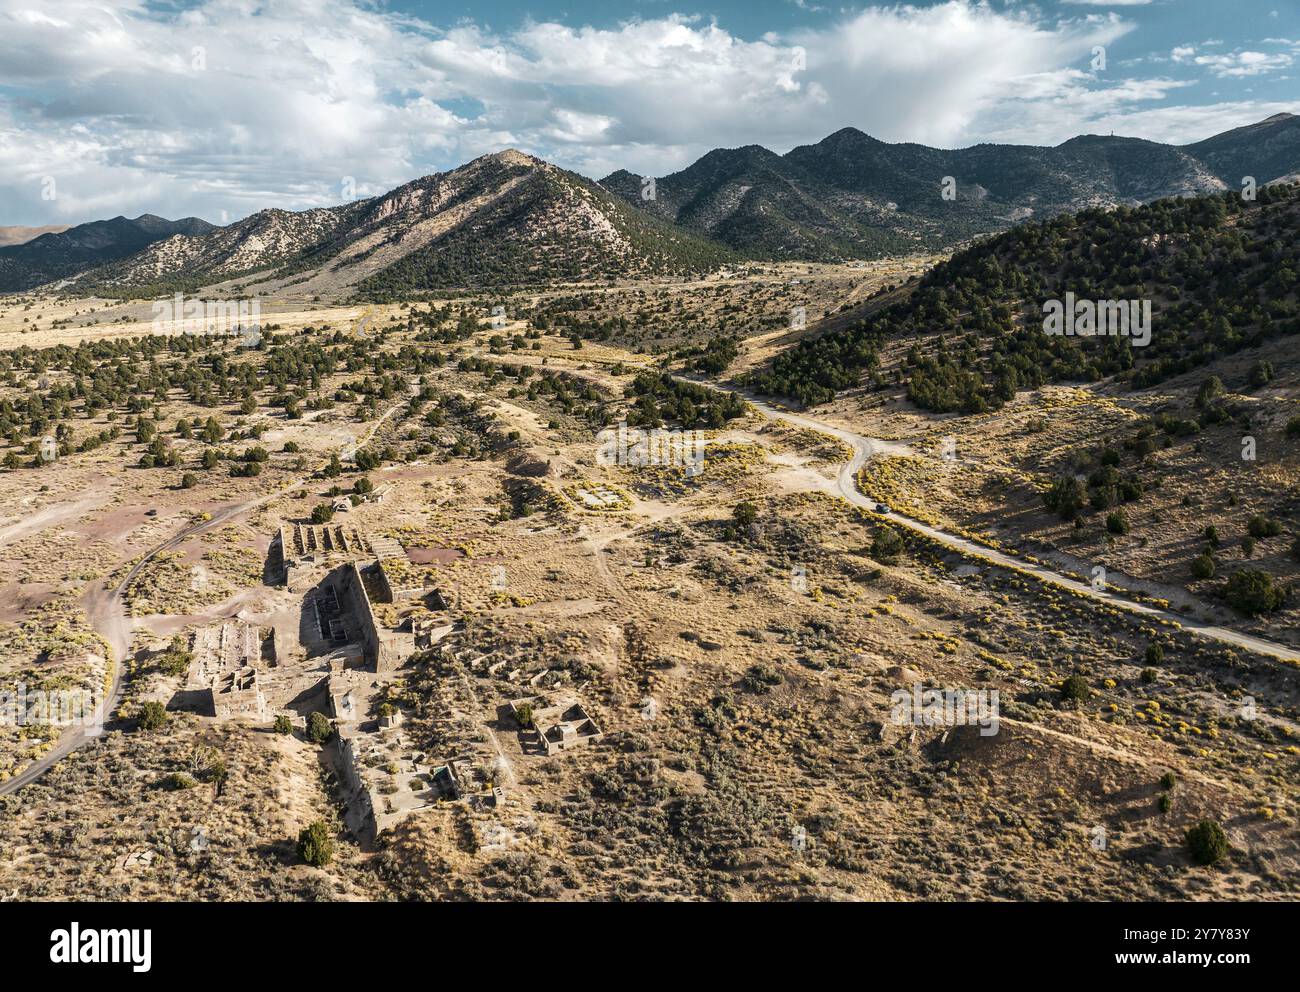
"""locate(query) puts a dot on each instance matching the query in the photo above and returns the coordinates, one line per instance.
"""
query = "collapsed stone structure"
(344, 571)
(221, 648)
(383, 648)
(223, 670)
(306, 548)
(400, 582)
(556, 726)
(237, 694)
(389, 779)
(349, 640)
(346, 696)
(348, 616)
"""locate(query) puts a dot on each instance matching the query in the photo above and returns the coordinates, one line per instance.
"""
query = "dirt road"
(864, 448)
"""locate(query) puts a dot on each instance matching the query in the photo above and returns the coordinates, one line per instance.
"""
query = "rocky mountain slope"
(258, 242)
(503, 219)
(1268, 151)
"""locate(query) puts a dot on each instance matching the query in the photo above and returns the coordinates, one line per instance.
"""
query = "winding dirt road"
(865, 448)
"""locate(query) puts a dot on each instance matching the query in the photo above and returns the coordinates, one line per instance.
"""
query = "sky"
(219, 108)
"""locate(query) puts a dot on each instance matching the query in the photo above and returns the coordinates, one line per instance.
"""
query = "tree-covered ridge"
(57, 255)
(1221, 273)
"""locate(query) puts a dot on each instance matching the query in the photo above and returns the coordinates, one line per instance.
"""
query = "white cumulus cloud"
(235, 105)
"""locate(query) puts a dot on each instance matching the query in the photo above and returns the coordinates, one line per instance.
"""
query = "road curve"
(864, 448)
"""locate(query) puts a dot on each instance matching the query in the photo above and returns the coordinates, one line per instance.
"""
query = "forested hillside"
(1220, 272)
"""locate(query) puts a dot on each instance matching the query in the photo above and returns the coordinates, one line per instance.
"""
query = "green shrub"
(1253, 592)
(1260, 526)
(315, 845)
(319, 729)
(322, 513)
(1203, 566)
(745, 513)
(176, 659)
(1117, 522)
(1211, 389)
(887, 545)
(283, 725)
(1168, 780)
(1155, 653)
(760, 678)
(1074, 689)
(218, 775)
(176, 781)
(1066, 497)
(1207, 843)
(153, 715)
(1149, 675)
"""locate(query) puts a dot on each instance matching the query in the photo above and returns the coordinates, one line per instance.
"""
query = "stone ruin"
(556, 726)
(222, 678)
(238, 694)
(305, 549)
(388, 779)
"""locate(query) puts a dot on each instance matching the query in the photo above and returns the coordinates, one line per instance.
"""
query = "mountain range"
(512, 219)
(852, 195)
(503, 219)
(55, 256)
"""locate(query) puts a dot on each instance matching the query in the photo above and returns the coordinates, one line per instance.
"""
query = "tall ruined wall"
(359, 600)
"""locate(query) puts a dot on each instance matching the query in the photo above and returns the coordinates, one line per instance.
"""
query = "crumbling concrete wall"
(384, 649)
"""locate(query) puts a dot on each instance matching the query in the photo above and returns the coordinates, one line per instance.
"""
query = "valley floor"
(743, 670)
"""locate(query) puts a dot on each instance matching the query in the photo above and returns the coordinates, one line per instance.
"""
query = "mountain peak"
(849, 195)
(848, 134)
(844, 143)
(512, 156)
(739, 152)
